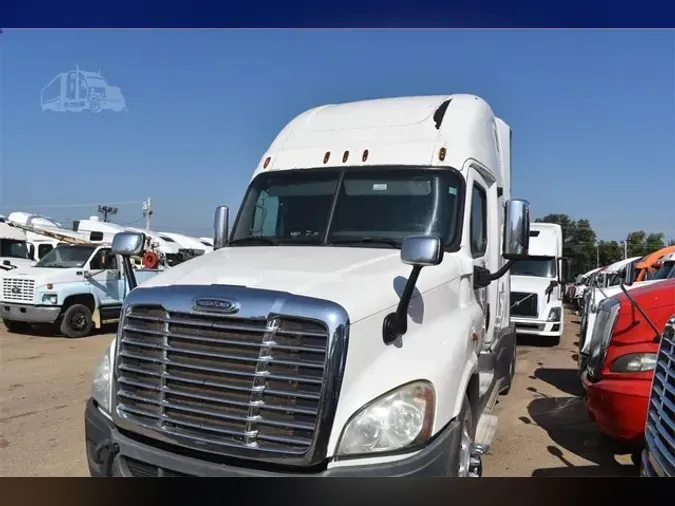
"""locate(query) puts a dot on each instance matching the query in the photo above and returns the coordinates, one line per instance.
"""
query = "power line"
(64, 206)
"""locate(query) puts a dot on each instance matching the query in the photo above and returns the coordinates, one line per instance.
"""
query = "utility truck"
(356, 322)
(74, 288)
(536, 284)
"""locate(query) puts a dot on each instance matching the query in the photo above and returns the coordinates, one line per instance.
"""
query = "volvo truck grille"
(221, 383)
(660, 430)
(524, 304)
(18, 289)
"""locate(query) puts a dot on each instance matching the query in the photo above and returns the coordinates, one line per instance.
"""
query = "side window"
(478, 221)
(43, 249)
(103, 259)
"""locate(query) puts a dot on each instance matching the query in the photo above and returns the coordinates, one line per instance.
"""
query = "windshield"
(351, 207)
(666, 271)
(66, 256)
(540, 267)
(13, 249)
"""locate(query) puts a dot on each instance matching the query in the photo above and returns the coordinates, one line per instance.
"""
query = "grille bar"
(524, 304)
(222, 381)
(660, 429)
(18, 289)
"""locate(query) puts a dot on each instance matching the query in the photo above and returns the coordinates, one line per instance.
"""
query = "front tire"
(16, 327)
(466, 440)
(76, 322)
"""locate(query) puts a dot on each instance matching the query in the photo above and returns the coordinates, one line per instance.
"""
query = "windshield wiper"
(246, 240)
(368, 240)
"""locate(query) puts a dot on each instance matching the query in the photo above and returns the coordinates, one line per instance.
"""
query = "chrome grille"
(222, 382)
(524, 304)
(18, 289)
(660, 430)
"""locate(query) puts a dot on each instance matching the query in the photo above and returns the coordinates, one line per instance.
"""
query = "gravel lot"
(543, 429)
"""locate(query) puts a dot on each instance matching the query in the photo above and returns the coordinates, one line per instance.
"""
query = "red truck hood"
(657, 300)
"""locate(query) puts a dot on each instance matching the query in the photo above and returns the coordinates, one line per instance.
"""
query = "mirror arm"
(129, 272)
(396, 324)
(482, 277)
(641, 311)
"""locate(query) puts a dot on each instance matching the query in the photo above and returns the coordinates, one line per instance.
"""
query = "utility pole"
(625, 250)
(597, 254)
(147, 212)
(106, 210)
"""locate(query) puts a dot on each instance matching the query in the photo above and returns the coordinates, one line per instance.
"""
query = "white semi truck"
(354, 323)
(536, 285)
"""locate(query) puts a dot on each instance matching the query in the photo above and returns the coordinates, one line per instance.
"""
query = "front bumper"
(618, 408)
(534, 327)
(136, 459)
(29, 313)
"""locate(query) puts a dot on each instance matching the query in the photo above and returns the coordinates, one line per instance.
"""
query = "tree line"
(585, 251)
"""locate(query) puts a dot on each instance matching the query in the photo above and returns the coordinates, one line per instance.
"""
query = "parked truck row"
(626, 351)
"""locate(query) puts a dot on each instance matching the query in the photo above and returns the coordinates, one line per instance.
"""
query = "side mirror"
(419, 251)
(516, 242)
(629, 274)
(422, 251)
(564, 269)
(221, 225)
(128, 244)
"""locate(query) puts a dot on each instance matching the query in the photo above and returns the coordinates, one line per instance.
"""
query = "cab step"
(486, 431)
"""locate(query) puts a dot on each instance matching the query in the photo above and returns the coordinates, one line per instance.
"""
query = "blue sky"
(593, 114)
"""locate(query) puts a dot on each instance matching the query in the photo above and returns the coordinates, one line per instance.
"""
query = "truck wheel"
(95, 105)
(466, 441)
(15, 326)
(76, 321)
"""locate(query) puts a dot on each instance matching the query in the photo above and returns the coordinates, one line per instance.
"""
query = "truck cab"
(73, 288)
(536, 285)
(623, 359)
(13, 248)
(355, 322)
(658, 456)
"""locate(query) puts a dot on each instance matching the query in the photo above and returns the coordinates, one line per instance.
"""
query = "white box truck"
(536, 285)
(354, 323)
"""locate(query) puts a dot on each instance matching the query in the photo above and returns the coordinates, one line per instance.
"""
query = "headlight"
(50, 298)
(554, 315)
(101, 389)
(393, 421)
(634, 362)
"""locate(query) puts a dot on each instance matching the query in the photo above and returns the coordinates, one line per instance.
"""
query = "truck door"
(106, 277)
(479, 242)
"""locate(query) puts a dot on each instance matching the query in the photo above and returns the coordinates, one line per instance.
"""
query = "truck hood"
(529, 284)
(364, 281)
(20, 263)
(611, 291)
(44, 275)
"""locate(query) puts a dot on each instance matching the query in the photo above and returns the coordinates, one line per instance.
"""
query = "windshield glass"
(13, 249)
(666, 271)
(540, 267)
(66, 256)
(375, 207)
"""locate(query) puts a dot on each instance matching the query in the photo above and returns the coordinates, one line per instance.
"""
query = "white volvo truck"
(354, 323)
(536, 285)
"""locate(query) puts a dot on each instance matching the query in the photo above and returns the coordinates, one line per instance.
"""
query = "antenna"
(106, 210)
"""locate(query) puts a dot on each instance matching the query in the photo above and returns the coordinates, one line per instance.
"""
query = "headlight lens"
(554, 315)
(393, 421)
(634, 362)
(101, 385)
(50, 298)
